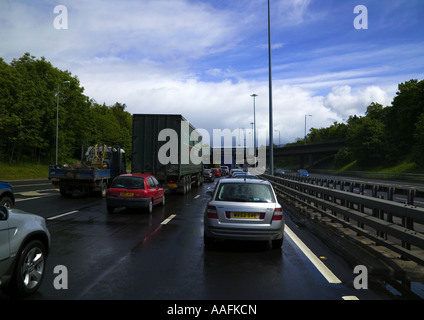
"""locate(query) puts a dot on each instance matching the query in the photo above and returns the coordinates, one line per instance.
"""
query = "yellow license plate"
(126, 194)
(245, 215)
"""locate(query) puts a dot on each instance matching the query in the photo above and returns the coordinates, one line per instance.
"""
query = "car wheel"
(150, 207)
(30, 268)
(277, 244)
(110, 209)
(209, 242)
(6, 201)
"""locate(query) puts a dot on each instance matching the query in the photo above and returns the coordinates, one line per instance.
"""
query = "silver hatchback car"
(24, 246)
(244, 209)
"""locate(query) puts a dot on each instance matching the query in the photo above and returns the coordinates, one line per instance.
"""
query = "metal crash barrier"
(397, 226)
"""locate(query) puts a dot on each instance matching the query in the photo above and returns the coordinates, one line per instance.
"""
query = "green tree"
(418, 149)
(366, 140)
(111, 125)
(28, 104)
(406, 108)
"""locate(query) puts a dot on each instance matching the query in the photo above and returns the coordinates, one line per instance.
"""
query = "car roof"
(241, 180)
(142, 175)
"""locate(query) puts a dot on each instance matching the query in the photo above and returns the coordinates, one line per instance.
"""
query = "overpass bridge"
(307, 152)
(304, 152)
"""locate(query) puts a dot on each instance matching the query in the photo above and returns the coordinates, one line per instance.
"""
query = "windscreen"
(128, 182)
(245, 192)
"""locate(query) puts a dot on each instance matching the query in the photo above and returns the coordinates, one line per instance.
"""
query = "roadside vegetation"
(385, 139)
(29, 97)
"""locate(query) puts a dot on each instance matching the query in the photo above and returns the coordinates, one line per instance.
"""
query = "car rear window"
(245, 192)
(128, 182)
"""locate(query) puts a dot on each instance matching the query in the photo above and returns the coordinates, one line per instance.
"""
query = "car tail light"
(211, 212)
(278, 214)
(140, 194)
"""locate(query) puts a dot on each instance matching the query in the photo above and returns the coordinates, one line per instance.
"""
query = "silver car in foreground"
(24, 246)
(243, 209)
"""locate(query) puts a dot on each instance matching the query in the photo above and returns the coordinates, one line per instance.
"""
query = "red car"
(216, 171)
(135, 191)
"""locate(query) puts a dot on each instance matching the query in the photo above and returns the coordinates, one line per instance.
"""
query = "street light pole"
(306, 115)
(271, 137)
(57, 118)
(254, 123)
(279, 141)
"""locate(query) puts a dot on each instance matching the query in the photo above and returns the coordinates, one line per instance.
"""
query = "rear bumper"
(115, 202)
(244, 233)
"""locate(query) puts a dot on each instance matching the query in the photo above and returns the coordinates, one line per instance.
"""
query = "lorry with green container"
(166, 146)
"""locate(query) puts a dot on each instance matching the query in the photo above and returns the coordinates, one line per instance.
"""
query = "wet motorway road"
(134, 255)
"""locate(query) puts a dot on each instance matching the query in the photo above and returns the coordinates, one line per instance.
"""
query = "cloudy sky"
(204, 58)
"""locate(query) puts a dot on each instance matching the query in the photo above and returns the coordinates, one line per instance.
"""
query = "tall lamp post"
(57, 117)
(254, 123)
(271, 137)
(279, 141)
(306, 115)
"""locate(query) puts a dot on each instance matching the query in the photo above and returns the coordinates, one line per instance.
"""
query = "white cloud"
(172, 29)
(204, 59)
(292, 12)
(345, 103)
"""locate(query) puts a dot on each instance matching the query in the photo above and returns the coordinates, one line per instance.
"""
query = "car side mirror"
(209, 192)
(4, 213)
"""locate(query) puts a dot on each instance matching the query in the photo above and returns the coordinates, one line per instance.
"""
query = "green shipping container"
(161, 146)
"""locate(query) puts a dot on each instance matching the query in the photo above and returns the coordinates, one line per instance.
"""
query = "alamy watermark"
(361, 280)
(60, 282)
(61, 20)
(361, 20)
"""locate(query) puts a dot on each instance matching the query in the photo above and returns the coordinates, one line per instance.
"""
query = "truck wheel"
(189, 184)
(198, 181)
(63, 192)
(103, 190)
(185, 187)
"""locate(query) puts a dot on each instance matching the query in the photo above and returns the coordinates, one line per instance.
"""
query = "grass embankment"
(23, 171)
(405, 166)
(41, 171)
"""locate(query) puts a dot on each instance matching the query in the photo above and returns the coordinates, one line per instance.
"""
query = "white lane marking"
(330, 276)
(35, 192)
(32, 198)
(172, 216)
(63, 214)
(29, 185)
(350, 298)
(197, 197)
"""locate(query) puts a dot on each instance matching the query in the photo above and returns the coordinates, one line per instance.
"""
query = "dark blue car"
(7, 197)
(303, 173)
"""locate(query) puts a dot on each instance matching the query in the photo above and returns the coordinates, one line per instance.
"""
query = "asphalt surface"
(131, 255)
